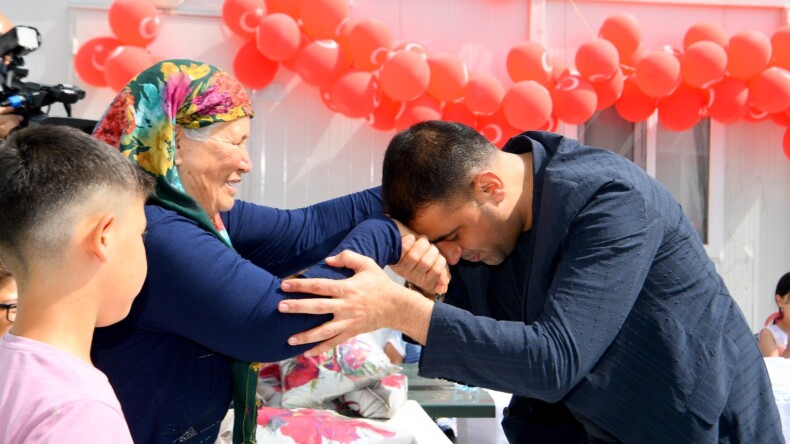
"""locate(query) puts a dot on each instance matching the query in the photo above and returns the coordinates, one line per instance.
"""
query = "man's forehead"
(436, 220)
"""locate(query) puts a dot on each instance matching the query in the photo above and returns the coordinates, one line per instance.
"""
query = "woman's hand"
(421, 263)
(8, 121)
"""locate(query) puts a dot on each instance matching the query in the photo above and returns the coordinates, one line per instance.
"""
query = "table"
(439, 398)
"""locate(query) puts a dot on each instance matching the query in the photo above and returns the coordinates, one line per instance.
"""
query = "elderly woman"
(209, 304)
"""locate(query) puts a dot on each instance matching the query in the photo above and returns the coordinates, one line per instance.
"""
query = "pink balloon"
(705, 32)
(458, 112)
(483, 94)
(278, 37)
(780, 44)
(682, 109)
(418, 110)
(527, 105)
(634, 105)
(496, 128)
(624, 31)
(608, 91)
(405, 75)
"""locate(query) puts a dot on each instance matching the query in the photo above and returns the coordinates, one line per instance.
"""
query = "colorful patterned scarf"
(141, 122)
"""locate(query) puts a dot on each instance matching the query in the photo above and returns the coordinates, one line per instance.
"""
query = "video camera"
(27, 98)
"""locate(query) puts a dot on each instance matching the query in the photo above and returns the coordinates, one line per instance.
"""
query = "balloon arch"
(360, 71)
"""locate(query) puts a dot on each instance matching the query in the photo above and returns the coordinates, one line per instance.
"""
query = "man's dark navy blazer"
(612, 316)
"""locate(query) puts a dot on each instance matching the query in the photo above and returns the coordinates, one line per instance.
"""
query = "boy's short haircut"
(5, 275)
(46, 174)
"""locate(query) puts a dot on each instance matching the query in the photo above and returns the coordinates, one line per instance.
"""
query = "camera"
(27, 98)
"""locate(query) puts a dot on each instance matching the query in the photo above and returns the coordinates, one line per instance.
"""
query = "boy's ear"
(97, 238)
(489, 184)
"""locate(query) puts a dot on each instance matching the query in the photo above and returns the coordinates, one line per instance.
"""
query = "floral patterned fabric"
(379, 400)
(354, 364)
(141, 123)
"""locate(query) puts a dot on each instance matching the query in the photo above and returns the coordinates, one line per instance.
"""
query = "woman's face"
(211, 169)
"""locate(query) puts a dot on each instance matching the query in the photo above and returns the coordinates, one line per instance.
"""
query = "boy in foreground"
(71, 229)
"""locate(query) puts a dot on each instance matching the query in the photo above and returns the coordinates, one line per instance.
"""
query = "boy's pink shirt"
(48, 395)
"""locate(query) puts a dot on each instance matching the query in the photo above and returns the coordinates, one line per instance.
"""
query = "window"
(606, 129)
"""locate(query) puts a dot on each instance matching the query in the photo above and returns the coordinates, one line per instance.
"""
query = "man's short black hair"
(45, 172)
(431, 162)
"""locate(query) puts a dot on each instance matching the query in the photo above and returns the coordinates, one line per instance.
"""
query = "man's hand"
(8, 121)
(367, 301)
(421, 263)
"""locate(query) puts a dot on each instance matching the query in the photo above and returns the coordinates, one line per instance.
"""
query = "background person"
(773, 338)
(578, 285)
(71, 232)
(208, 306)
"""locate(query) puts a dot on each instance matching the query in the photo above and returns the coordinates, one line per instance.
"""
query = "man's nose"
(450, 251)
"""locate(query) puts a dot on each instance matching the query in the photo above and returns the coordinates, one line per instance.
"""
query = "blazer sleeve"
(285, 242)
(203, 290)
(601, 270)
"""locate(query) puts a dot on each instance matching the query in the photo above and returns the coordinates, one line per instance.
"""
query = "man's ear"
(489, 185)
(98, 235)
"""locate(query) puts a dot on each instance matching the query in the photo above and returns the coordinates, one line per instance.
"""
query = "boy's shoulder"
(44, 385)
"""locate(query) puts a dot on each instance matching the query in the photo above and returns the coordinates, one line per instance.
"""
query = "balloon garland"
(360, 71)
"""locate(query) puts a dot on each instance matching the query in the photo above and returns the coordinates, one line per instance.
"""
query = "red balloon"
(628, 63)
(134, 22)
(290, 7)
(278, 37)
(369, 44)
(748, 54)
(243, 16)
(253, 69)
(703, 64)
(527, 105)
(658, 74)
(755, 114)
(383, 117)
(558, 69)
(624, 31)
(458, 112)
(786, 143)
(483, 94)
(355, 93)
(781, 119)
(325, 93)
(5, 24)
(597, 60)
(705, 32)
(682, 109)
(448, 76)
(730, 100)
(405, 76)
(321, 62)
(770, 90)
(529, 61)
(496, 128)
(124, 63)
(91, 57)
(574, 99)
(413, 47)
(321, 18)
(608, 91)
(419, 110)
(634, 105)
(780, 45)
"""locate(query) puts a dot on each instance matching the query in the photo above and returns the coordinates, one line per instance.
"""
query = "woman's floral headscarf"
(141, 122)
